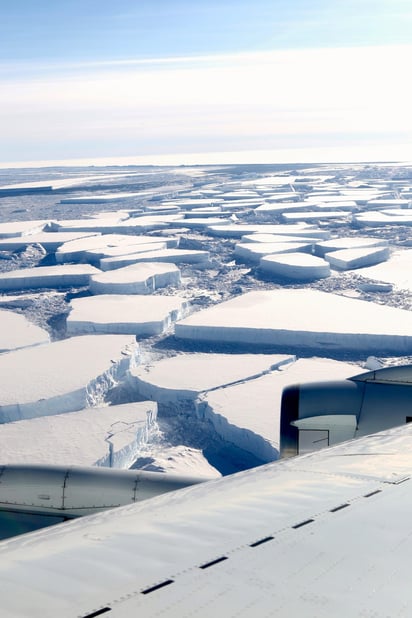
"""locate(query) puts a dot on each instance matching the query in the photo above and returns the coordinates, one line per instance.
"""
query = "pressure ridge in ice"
(109, 436)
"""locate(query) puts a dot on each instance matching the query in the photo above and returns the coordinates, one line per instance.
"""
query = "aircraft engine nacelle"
(319, 414)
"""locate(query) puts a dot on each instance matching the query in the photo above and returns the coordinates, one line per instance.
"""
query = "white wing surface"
(325, 534)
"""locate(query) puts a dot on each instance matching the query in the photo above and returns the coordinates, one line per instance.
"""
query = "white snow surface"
(64, 275)
(141, 278)
(346, 259)
(110, 436)
(303, 318)
(247, 414)
(174, 256)
(125, 314)
(295, 266)
(348, 242)
(21, 228)
(63, 376)
(17, 332)
(74, 251)
(253, 251)
(185, 376)
(48, 240)
(397, 270)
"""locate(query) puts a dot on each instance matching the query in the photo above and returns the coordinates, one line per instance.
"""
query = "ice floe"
(346, 259)
(63, 376)
(303, 319)
(397, 270)
(296, 266)
(21, 228)
(60, 276)
(348, 242)
(140, 278)
(17, 332)
(247, 414)
(135, 315)
(253, 251)
(183, 377)
(173, 256)
(110, 436)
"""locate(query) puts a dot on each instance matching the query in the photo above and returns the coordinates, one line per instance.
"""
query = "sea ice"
(50, 241)
(253, 251)
(238, 230)
(110, 436)
(397, 270)
(183, 377)
(348, 242)
(299, 266)
(124, 314)
(21, 228)
(63, 376)
(17, 332)
(346, 259)
(141, 278)
(304, 319)
(60, 276)
(74, 251)
(247, 414)
(173, 256)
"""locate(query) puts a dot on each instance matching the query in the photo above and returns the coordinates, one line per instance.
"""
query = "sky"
(177, 80)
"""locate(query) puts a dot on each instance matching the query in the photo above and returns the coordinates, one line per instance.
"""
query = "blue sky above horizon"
(90, 78)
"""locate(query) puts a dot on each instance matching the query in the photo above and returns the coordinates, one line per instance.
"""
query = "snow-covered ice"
(253, 251)
(103, 436)
(173, 256)
(21, 228)
(63, 376)
(238, 230)
(141, 278)
(183, 377)
(125, 314)
(296, 266)
(346, 259)
(397, 270)
(348, 242)
(50, 241)
(60, 276)
(17, 332)
(306, 319)
(247, 414)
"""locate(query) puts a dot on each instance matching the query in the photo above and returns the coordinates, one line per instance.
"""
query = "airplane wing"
(324, 534)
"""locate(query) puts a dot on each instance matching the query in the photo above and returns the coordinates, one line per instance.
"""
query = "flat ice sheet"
(295, 266)
(346, 259)
(348, 242)
(141, 278)
(253, 251)
(397, 270)
(63, 376)
(239, 230)
(108, 436)
(247, 414)
(60, 276)
(174, 256)
(135, 315)
(184, 376)
(48, 240)
(21, 228)
(302, 318)
(17, 332)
